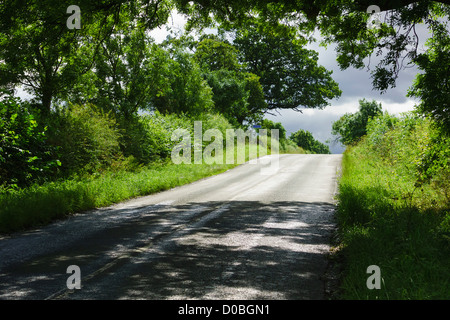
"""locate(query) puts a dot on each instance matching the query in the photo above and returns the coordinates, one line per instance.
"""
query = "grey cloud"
(318, 122)
(357, 83)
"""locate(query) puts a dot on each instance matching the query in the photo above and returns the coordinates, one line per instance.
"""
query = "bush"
(378, 127)
(305, 140)
(25, 154)
(350, 128)
(215, 121)
(422, 148)
(290, 146)
(147, 137)
(87, 138)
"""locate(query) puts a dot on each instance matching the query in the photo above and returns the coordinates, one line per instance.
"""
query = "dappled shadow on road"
(205, 250)
(253, 250)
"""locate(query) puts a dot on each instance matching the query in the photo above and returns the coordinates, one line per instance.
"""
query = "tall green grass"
(390, 217)
(42, 204)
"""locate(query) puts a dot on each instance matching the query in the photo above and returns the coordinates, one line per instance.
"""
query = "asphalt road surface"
(242, 234)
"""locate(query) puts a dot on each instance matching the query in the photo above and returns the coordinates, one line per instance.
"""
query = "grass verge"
(386, 219)
(42, 204)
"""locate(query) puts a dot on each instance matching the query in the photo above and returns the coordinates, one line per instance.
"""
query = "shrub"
(147, 137)
(25, 154)
(415, 145)
(87, 138)
(350, 128)
(378, 127)
(305, 140)
(388, 216)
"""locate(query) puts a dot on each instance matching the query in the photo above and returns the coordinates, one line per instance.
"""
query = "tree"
(345, 23)
(351, 127)
(289, 73)
(34, 49)
(433, 85)
(395, 42)
(216, 54)
(187, 92)
(39, 51)
(257, 105)
(269, 124)
(305, 140)
(87, 138)
(237, 94)
(229, 95)
(128, 72)
(25, 154)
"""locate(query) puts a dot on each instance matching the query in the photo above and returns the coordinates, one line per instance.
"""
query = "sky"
(354, 83)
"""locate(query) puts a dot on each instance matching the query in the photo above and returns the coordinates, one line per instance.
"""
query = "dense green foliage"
(389, 215)
(101, 163)
(289, 73)
(305, 140)
(129, 71)
(187, 92)
(352, 127)
(87, 138)
(286, 145)
(38, 51)
(236, 94)
(25, 154)
(395, 42)
(432, 85)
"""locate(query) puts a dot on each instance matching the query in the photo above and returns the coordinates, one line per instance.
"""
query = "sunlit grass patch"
(389, 219)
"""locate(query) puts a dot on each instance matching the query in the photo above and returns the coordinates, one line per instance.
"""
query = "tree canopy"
(39, 52)
(237, 94)
(290, 75)
(395, 42)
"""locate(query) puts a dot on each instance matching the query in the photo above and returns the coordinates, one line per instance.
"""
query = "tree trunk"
(46, 100)
(47, 90)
